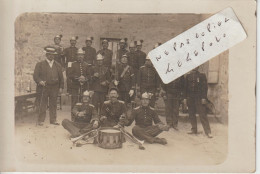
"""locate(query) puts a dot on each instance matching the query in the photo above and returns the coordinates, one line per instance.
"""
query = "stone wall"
(33, 31)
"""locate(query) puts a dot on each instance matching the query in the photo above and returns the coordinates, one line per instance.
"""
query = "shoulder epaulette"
(120, 101)
(142, 67)
(91, 105)
(78, 104)
(107, 102)
(151, 108)
(137, 108)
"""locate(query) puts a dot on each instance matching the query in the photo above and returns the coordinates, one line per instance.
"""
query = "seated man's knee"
(65, 122)
(136, 130)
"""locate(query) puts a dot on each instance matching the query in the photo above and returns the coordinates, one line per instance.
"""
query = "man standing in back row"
(195, 95)
(90, 52)
(106, 53)
(70, 54)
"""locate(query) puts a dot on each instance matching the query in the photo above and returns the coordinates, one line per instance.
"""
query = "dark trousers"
(172, 111)
(68, 80)
(195, 106)
(153, 98)
(76, 128)
(48, 93)
(98, 100)
(148, 133)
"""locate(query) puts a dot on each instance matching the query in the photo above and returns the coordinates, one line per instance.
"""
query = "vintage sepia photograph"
(86, 93)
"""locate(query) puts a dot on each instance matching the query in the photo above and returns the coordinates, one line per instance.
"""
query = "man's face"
(113, 95)
(88, 43)
(105, 45)
(80, 57)
(124, 60)
(122, 45)
(73, 43)
(50, 57)
(57, 40)
(132, 49)
(86, 99)
(99, 62)
(145, 102)
(139, 47)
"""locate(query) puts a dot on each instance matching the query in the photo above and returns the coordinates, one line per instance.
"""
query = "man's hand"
(131, 93)
(185, 102)
(95, 124)
(163, 127)
(81, 114)
(81, 78)
(103, 83)
(60, 91)
(122, 117)
(116, 82)
(96, 74)
(43, 83)
(103, 118)
(203, 101)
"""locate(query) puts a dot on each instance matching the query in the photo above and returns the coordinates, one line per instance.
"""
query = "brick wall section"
(33, 31)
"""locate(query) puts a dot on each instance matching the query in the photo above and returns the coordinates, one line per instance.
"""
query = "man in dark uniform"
(122, 49)
(126, 80)
(113, 112)
(140, 55)
(79, 75)
(173, 93)
(60, 50)
(106, 53)
(144, 117)
(195, 95)
(132, 58)
(148, 80)
(49, 78)
(90, 52)
(86, 118)
(70, 57)
(100, 81)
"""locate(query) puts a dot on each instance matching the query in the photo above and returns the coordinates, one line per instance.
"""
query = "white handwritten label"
(197, 45)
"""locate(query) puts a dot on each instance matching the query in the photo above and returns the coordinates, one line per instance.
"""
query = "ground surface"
(51, 145)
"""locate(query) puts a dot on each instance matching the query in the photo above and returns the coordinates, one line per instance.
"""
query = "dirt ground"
(50, 145)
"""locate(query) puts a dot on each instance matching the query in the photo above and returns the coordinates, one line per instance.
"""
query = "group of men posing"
(91, 76)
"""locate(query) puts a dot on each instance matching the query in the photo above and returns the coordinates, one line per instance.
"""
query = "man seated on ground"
(144, 117)
(113, 112)
(86, 117)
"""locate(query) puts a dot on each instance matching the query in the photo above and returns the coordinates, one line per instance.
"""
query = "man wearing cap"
(122, 49)
(60, 50)
(195, 95)
(100, 80)
(113, 112)
(132, 58)
(173, 93)
(49, 78)
(106, 53)
(70, 57)
(90, 52)
(144, 117)
(148, 80)
(86, 117)
(79, 75)
(140, 55)
(126, 80)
